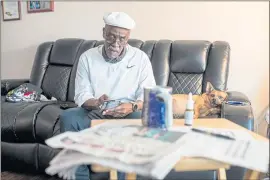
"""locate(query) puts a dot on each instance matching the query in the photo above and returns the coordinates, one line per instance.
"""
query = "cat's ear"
(209, 88)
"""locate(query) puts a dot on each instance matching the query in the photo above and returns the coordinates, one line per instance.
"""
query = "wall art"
(11, 10)
(40, 6)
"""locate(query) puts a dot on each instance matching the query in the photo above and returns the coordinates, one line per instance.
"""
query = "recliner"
(185, 65)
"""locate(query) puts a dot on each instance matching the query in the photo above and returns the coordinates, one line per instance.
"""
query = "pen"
(213, 134)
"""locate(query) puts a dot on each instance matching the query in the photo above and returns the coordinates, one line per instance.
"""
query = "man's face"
(115, 40)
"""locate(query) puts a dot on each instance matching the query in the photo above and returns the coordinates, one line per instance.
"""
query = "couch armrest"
(237, 96)
(8, 84)
(239, 114)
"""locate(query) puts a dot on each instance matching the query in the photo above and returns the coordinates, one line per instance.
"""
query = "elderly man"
(114, 70)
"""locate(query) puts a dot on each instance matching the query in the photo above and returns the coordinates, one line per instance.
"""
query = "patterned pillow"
(25, 92)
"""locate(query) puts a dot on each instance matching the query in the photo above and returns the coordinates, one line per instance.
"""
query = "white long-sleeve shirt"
(125, 79)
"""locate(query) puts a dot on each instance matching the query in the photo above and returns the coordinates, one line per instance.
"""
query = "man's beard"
(113, 60)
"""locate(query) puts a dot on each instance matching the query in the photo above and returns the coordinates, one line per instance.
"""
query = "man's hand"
(119, 111)
(95, 103)
(102, 98)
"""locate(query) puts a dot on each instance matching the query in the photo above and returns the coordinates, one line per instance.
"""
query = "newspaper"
(126, 147)
(151, 152)
(247, 153)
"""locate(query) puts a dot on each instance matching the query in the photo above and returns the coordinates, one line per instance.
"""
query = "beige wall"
(245, 25)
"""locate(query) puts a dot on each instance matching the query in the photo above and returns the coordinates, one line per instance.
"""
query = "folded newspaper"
(149, 152)
(125, 147)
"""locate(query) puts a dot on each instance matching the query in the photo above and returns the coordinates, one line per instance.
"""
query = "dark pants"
(77, 119)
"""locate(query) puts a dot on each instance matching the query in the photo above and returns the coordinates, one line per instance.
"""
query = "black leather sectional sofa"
(186, 65)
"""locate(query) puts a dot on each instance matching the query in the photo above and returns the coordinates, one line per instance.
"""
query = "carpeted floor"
(7, 175)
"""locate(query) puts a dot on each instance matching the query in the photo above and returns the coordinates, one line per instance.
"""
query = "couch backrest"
(185, 65)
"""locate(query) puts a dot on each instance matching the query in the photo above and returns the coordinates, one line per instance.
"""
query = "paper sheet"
(251, 154)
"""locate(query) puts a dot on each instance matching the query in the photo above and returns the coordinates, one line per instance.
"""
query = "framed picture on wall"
(11, 10)
(40, 6)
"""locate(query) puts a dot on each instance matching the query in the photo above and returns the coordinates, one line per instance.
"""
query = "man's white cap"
(119, 19)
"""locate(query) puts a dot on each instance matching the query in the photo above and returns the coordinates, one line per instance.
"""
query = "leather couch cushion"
(9, 113)
(148, 48)
(136, 43)
(161, 62)
(47, 122)
(65, 51)
(188, 63)
(99, 43)
(217, 69)
(3, 99)
(27, 155)
(19, 121)
(184, 83)
(55, 83)
(189, 56)
(40, 63)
